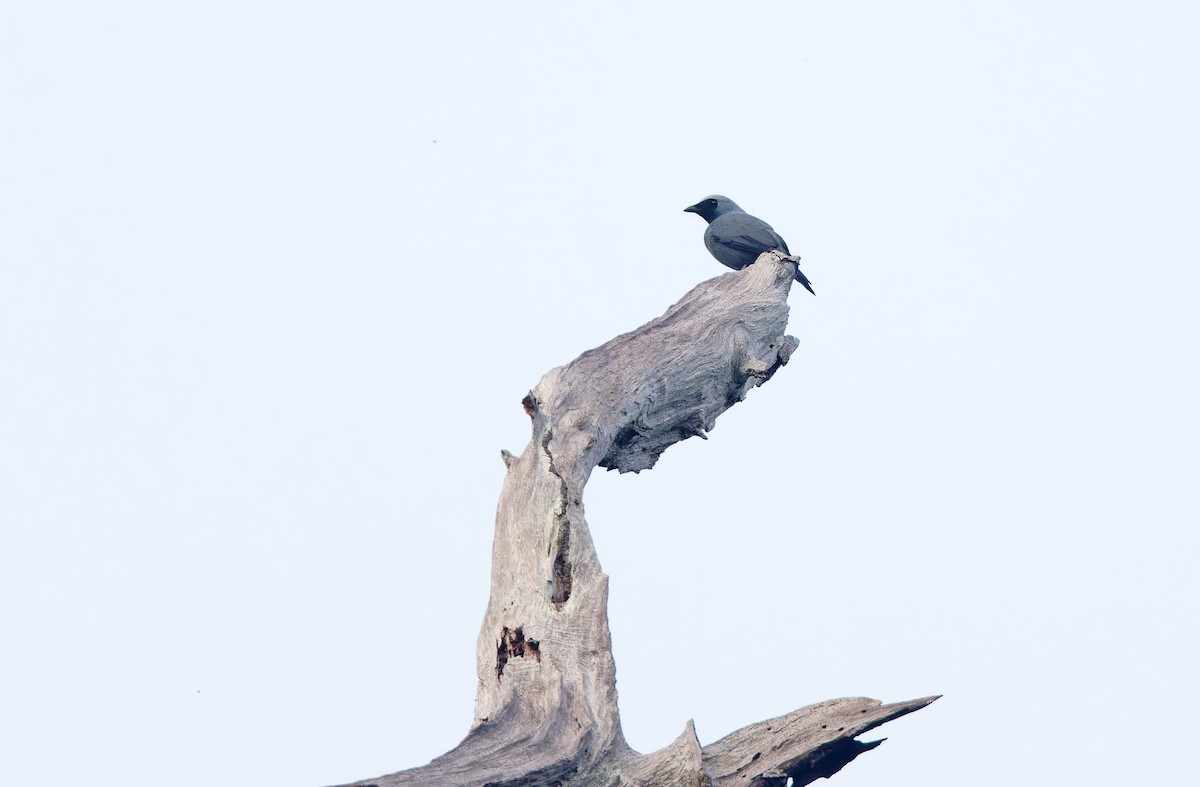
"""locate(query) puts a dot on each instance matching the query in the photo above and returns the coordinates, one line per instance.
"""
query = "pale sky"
(275, 276)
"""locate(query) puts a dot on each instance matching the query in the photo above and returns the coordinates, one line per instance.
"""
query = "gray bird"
(735, 237)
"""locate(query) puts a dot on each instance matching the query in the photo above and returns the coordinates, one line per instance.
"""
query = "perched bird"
(735, 237)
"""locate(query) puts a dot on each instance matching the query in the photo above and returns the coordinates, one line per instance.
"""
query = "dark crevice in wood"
(513, 645)
(562, 567)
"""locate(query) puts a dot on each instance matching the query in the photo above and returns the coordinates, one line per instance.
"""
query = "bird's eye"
(712, 202)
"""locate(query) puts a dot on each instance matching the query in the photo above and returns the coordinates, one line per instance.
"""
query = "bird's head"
(711, 207)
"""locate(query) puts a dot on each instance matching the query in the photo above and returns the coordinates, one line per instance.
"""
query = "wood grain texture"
(546, 704)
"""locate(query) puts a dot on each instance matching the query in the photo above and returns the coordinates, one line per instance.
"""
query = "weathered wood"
(546, 704)
(804, 745)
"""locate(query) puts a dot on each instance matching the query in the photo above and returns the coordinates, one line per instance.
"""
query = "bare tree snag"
(546, 706)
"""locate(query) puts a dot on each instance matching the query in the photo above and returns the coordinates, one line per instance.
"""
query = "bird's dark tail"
(800, 277)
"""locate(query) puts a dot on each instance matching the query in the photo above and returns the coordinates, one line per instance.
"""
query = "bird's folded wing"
(753, 244)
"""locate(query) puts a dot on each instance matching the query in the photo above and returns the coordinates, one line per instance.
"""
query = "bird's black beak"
(692, 208)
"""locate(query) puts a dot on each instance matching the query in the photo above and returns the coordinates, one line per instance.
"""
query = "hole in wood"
(513, 645)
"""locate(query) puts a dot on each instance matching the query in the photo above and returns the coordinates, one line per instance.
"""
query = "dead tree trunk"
(546, 708)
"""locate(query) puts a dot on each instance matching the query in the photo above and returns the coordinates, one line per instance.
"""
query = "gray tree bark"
(546, 706)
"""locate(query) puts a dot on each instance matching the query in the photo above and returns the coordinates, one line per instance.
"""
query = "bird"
(735, 237)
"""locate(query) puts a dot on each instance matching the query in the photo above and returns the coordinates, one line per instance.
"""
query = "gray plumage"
(735, 237)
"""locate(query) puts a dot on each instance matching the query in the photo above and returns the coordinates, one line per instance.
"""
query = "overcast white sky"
(275, 276)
